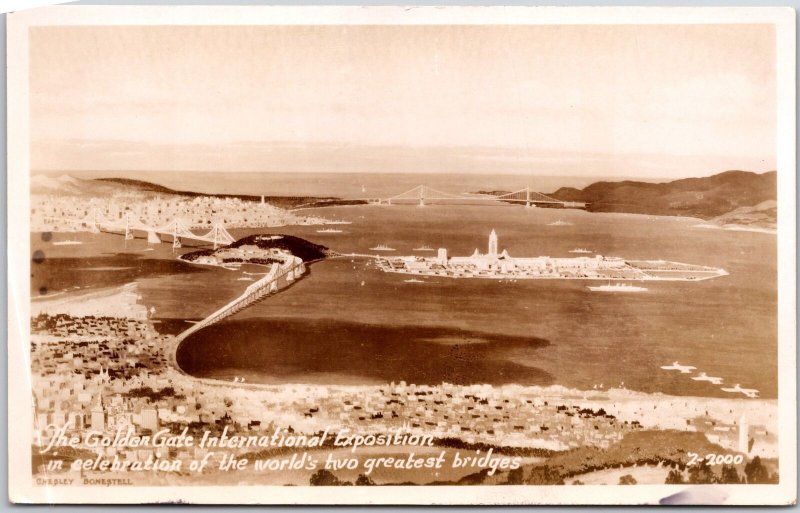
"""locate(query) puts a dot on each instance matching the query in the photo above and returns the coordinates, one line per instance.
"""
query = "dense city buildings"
(112, 378)
(65, 213)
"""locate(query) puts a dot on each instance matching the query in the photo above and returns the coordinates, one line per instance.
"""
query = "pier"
(278, 277)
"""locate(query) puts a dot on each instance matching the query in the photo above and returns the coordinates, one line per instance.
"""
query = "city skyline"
(639, 101)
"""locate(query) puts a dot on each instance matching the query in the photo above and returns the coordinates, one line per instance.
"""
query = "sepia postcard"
(389, 255)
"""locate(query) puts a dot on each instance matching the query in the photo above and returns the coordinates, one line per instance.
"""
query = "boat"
(339, 222)
(67, 243)
(559, 223)
(617, 287)
(245, 278)
(423, 248)
(579, 250)
(382, 247)
(329, 230)
(413, 280)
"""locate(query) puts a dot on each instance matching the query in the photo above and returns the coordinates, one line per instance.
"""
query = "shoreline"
(737, 228)
(120, 301)
(652, 411)
(702, 223)
(114, 301)
(128, 290)
(128, 298)
(657, 411)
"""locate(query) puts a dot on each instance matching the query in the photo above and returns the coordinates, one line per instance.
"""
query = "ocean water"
(348, 323)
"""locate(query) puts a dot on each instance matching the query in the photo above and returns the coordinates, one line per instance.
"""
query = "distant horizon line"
(51, 172)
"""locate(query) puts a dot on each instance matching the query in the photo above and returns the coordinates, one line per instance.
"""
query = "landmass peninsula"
(496, 264)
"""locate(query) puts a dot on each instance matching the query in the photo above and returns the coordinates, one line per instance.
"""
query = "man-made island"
(495, 264)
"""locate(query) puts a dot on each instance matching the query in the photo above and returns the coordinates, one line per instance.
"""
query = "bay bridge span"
(423, 194)
(179, 229)
(278, 277)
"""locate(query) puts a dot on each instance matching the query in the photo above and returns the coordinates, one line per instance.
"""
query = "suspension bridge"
(278, 277)
(179, 229)
(422, 194)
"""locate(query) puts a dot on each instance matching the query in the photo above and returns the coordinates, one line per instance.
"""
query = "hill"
(278, 201)
(706, 197)
(66, 185)
(138, 184)
(763, 215)
(240, 252)
(302, 248)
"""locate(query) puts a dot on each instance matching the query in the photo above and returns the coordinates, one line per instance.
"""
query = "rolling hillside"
(706, 198)
(66, 185)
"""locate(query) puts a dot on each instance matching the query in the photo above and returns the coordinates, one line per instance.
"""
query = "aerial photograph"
(368, 255)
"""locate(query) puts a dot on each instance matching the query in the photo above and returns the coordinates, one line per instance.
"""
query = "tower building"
(744, 433)
(98, 417)
(493, 243)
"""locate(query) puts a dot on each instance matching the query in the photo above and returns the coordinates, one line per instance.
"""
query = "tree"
(729, 475)
(515, 476)
(545, 475)
(474, 478)
(702, 474)
(364, 480)
(627, 479)
(756, 472)
(674, 477)
(324, 477)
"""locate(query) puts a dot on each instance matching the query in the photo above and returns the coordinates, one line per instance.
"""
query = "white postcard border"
(21, 488)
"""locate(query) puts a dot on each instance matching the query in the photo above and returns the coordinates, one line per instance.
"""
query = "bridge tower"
(421, 195)
(528, 196)
(215, 233)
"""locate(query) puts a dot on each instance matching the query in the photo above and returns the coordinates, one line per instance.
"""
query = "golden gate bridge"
(423, 194)
(179, 229)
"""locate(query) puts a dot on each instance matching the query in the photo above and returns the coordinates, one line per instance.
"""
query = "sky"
(638, 101)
